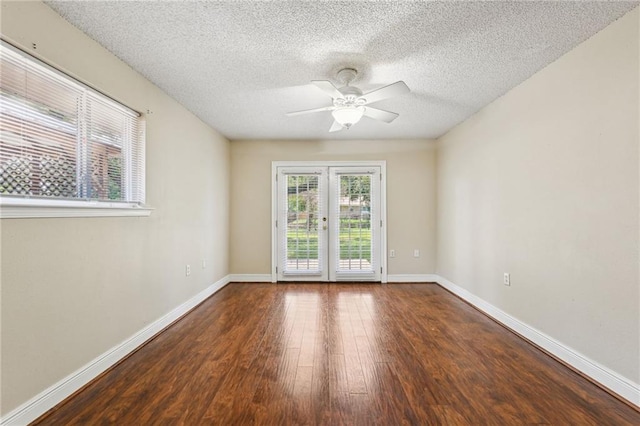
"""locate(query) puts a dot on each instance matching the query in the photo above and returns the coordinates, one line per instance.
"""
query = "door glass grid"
(303, 211)
(354, 231)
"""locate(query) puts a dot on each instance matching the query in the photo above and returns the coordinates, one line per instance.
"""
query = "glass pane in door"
(354, 217)
(303, 252)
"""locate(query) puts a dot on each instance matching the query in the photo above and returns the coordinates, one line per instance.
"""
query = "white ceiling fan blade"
(395, 89)
(309, 111)
(328, 88)
(380, 114)
(336, 127)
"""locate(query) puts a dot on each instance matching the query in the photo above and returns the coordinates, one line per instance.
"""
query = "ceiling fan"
(350, 104)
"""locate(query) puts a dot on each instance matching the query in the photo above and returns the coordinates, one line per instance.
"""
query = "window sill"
(12, 208)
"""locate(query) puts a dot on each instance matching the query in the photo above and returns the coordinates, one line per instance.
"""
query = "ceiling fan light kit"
(350, 104)
(348, 115)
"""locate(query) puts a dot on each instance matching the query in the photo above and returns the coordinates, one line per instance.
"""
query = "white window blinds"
(302, 242)
(61, 139)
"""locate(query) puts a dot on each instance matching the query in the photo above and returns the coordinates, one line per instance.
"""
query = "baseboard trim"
(607, 378)
(412, 278)
(49, 398)
(250, 278)
(396, 278)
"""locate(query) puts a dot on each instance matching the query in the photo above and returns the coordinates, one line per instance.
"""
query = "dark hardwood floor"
(340, 354)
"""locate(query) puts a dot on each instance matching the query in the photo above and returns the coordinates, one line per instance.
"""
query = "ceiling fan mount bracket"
(347, 75)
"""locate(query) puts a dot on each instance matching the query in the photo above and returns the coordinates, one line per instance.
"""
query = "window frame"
(24, 206)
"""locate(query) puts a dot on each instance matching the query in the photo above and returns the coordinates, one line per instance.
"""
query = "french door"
(328, 224)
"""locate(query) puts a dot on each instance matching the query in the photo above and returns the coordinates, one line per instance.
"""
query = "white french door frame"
(275, 165)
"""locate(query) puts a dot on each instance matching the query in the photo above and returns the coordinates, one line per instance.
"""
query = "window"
(64, 145)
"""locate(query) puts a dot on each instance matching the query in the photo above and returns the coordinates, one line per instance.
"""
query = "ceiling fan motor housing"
(351, 97)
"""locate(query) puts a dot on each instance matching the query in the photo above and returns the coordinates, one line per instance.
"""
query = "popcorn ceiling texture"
(240, 66)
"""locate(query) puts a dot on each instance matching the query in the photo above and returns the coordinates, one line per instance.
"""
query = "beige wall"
(544, 184)
(73, 288)
(410, 197)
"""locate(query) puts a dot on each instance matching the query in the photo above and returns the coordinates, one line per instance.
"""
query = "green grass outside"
(299, 247)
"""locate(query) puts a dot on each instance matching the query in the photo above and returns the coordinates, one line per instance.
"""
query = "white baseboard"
(250, 278)
(412, 278)
(618, 384)
(49, 398)
(396, 278)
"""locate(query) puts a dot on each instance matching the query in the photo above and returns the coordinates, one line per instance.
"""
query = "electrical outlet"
(416, 253)
(187, 270)
(392, 253)
(204, 263)
(507, 279)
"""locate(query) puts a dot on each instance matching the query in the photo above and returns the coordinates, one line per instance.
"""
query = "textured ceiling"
(240, 66)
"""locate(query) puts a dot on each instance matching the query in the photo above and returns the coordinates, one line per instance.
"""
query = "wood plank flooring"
(335, 354)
